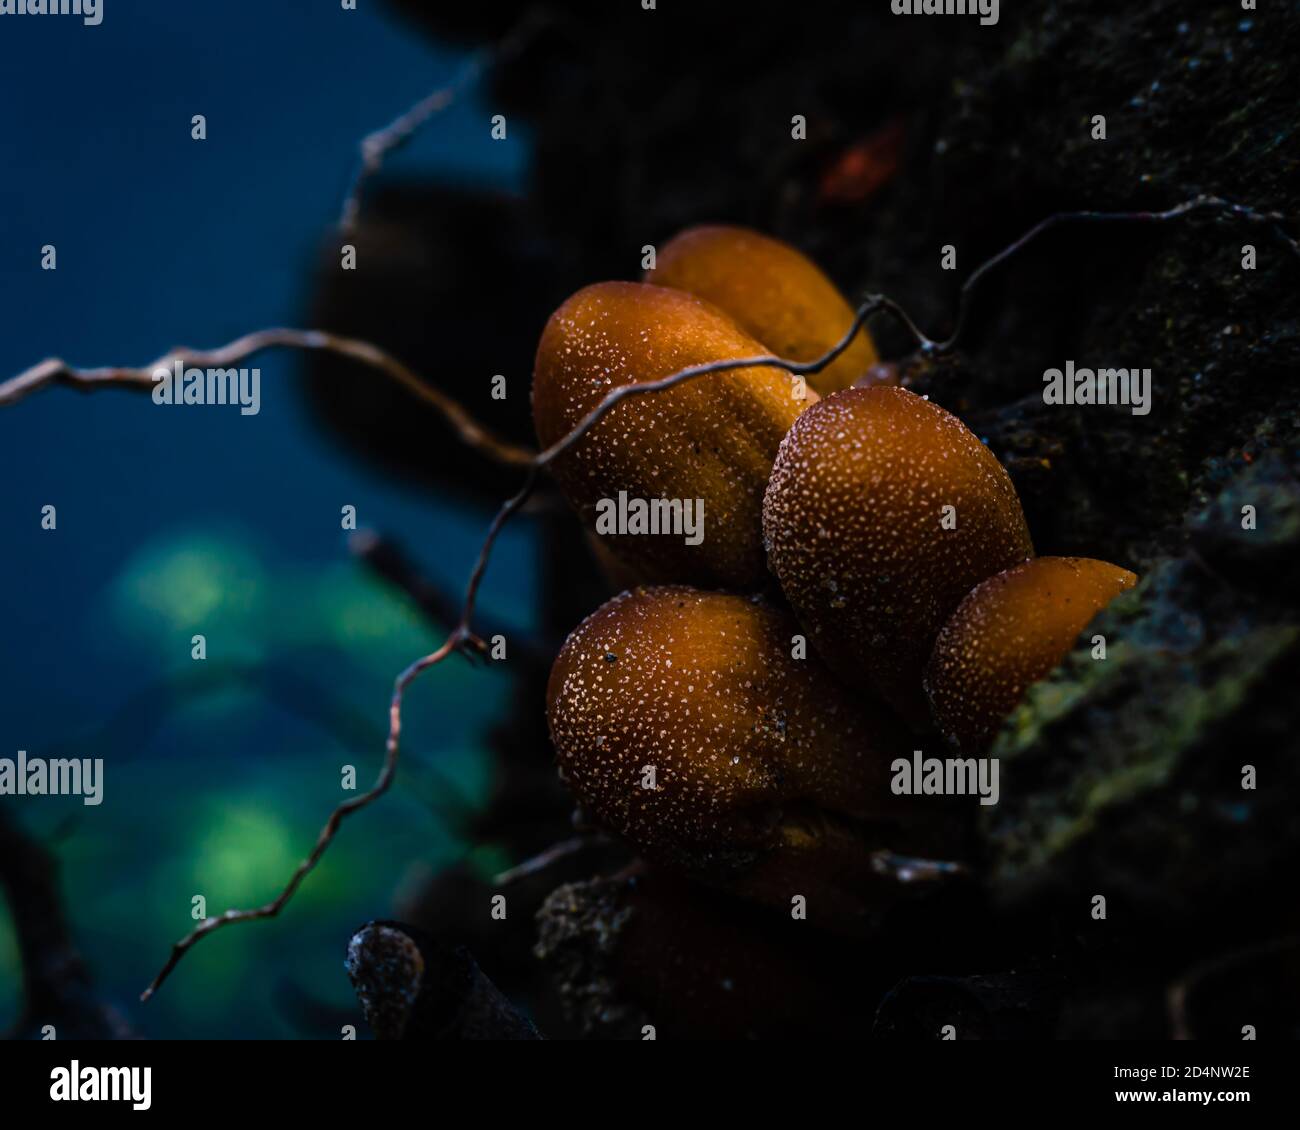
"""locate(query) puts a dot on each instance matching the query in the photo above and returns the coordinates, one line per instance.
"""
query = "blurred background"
(219, 773)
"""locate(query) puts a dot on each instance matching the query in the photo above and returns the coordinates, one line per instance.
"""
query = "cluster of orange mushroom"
(866, 579)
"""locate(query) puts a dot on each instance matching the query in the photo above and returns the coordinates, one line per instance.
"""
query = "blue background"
(173, 521)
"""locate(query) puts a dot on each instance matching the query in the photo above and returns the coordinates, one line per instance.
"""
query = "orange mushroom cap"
(773, 291)
(1009, 632)
(683, 722)
(711, 438)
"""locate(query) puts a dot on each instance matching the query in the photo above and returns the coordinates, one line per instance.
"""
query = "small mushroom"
(714, 750)
(773, 291)
(1007, 633)
(708, 442)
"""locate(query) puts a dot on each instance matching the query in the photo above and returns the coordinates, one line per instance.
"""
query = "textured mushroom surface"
(1009, 632)
(682, 722)
(712, 438)
(773, 291)
(883, 511)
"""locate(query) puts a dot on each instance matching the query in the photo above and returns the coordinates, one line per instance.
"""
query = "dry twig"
(547, 858)
(376, 146)
(57, 371)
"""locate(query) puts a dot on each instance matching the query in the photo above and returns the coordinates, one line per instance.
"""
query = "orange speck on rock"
(861, 170)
